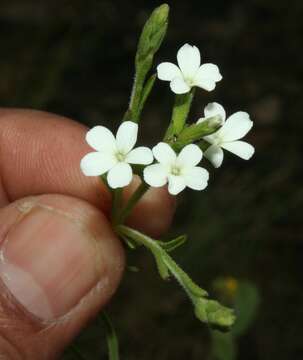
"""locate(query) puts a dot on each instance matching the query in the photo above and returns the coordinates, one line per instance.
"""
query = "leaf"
(223, 346)
(173, 244)
(146, 91)
(247, 300)
(162, 268)
(111, 337)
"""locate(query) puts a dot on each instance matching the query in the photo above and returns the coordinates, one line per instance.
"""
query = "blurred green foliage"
(244, 297)
(76, 58)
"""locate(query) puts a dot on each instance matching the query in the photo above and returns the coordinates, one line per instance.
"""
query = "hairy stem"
(180, 113)
(136, 196)
(206, 310)
(116, 206)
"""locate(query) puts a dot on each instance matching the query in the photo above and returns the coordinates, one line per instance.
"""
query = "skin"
(39, 165)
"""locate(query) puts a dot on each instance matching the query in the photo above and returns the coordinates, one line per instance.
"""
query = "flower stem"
(150, 40)
(180, 112)
(111, 337)
(117, 200)
(136, 196)
(206, 310)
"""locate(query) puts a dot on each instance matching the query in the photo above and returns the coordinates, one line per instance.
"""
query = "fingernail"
(48, 263)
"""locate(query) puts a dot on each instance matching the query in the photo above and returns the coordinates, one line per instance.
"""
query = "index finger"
(40, 153)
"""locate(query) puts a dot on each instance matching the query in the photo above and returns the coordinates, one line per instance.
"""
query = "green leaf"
(173, 244)
(223, 346)
(247, 300)
(111, 337)
(132, 268)
(146, 91)
(162, 268)
(180, 113)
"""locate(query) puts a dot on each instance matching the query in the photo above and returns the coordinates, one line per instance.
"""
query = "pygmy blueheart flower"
(227, 137)
(178, 171)
(114, 154)
(190, 71)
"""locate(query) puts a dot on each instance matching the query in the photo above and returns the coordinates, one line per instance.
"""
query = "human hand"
(60, 261)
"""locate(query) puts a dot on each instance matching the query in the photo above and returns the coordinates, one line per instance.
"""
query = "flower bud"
(153, 34)
(215, 122)
(195, 132)
(214, 313)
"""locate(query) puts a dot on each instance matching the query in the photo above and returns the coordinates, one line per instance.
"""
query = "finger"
(60, 263)
(154, 213)
(40, 153)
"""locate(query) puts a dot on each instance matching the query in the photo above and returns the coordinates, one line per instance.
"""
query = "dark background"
(75, 58)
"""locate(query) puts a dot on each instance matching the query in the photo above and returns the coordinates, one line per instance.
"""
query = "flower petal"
(206, 84)
(101, 139)
(127, 136)
(96, 163)
(168, 71)
(211, 139)
(164, 154)
(155, 175)
(189, 60)
(141, 155)
(197, 178)
(120, 175)
(207, 76)
(175, 184)
(240, 148)
(179, 86)
(236, 126)
(213, 109)
(215, 155)
(190, 156)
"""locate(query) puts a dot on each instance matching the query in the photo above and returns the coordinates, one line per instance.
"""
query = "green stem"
(180, 113)
(111, 338)
(133, 111)
(117, 200)
(189, 286)
(206, 310)
(137, 195)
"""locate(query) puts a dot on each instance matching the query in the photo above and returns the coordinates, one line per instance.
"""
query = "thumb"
(60, 262)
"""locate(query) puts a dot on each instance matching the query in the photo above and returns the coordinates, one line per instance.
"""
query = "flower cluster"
(114, 155)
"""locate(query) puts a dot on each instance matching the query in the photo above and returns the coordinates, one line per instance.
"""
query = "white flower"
(190, 71)
(114, 154)
(178, 170)
(227, 137)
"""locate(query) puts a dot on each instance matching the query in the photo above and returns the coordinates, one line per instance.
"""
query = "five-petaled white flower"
(227, 137)
(178, 170)
(190, 71)
(114, 154)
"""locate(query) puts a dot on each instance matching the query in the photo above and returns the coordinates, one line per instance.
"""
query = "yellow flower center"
(175, 170)
(120, 156)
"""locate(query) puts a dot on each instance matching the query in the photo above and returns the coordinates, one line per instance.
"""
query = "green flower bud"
(152, 34)
(214, 313)
(196, 131)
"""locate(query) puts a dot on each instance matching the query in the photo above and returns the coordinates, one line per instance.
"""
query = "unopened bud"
(215, 121)
(153, 33)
